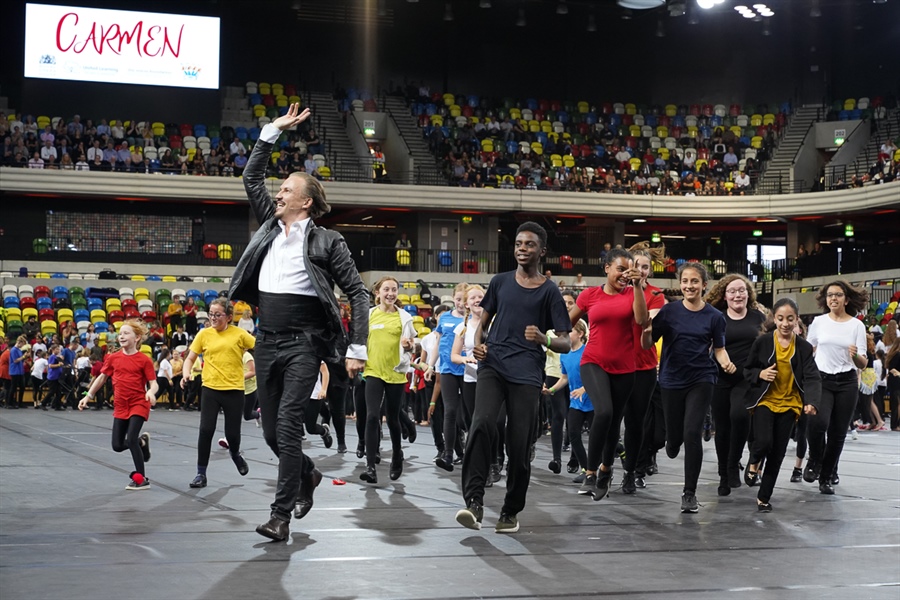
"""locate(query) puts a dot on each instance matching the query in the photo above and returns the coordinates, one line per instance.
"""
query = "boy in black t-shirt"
(523, 305)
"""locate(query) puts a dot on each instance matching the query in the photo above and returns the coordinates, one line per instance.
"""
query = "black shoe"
(445, 462)
(507, 523)
(437, 456)
(531, 456)
(689, 503)
(241, 464)
(308, 484)
(751, 478)
(369, 475)
(471, 515)
(199, 481)
(764, 507)
(458, 460)
(604, 480)
(628, 483)
(579, 479)
(396, 466)
(145, 446)
(835, 479)
(734, 477)
(275, 529)
(326, 437)
(555, 466)
(639, 482)
(495, 473)
(342, 448)
(653, 469)
(360, 451)
(724, 488)
(825, 488)
(413, 435)
(672, 451)
(796, 475)
(566, 447)
(572, 465)
(588, 485)
(811, 472)
(378, 456)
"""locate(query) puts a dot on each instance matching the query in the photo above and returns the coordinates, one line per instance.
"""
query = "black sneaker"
(326, 437)
(555, 466)
(445, 462)
(495, 472)
(689, 503)
(796, 475)
(471, 515)
(811, 472)
(588, 485)
(507, 524)
(604, 480)
(360, 450)
(396, 466)
(579, 479)
(835, 479)
(199, 481)
(458, 460)
(572, 465)
(145, 446)
(653, 469)
(241, 464)
(342, 448)
(628, 483)
(639, 482)
(724, 488)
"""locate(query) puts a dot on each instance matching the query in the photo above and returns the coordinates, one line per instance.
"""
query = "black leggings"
(654, 432)
(232, 403)
(177, 392)
(251, 403)
(559, 407)
(635, 414)
(36, 389)
(800, 435)
(732, 427)
(16, 391)
(576, 420)
(451, 392)
(370, 412)
(771, 432)
(338, 382)
(164, 389)
(895, 409)
(126, 435)
(609, 393)
(836, 406)
(685, 410)
(468, 402)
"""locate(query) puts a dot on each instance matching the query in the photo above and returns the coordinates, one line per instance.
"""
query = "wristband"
(89, 397)
(548, 340)
(552, 391)
(432, 404)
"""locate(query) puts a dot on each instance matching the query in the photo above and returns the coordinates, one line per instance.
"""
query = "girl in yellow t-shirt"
(222, 346)
(392, 338)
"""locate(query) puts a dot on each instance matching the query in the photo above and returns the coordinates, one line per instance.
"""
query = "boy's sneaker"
(495, 472)
(689, 503)
(326, 437)
(145, 446)
(471, 515)
(579, 479)
(224, 443)
(507, 524)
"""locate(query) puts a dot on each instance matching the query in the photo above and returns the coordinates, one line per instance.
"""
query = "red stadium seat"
(210, 252)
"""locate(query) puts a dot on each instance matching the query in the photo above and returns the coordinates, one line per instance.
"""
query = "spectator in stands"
(47, 135)
(887, 150)
(283, 164)
(167, 162)
(309, 164)
(36, 162)
(110, 155)
(136, 157)
(49, 155)
(75, 126)
(63, 148)
(198, 165)
(94, 150)
(82, 164)
(66, 163)
(117, 132)
(213, 163)
(227, 165)
(123, 156)
(103, 128)
(730, 159)
(240, 161)
(313, 143)
(403, 241)
(235, 146)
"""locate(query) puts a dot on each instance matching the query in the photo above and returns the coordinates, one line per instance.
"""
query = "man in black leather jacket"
(289, 270)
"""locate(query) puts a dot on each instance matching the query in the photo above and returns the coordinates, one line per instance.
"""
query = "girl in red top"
(131, 372)
(608, 364)
(645, 362)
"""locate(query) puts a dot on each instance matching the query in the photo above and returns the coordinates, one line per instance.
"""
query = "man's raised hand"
(293, 117)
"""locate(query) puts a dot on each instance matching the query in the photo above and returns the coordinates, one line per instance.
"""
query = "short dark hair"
(613, 254)
(535, 229)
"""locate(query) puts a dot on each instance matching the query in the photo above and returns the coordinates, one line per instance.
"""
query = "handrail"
(802, 145)
(399, 131)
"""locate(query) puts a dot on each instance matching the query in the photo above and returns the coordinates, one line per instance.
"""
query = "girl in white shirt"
(839, 340)
(38, 369)
(164, 376)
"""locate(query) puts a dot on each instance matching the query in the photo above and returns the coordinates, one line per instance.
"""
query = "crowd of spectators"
(84, 146)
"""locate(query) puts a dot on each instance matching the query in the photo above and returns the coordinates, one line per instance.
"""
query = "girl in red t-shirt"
(131, 372)
(608, 364)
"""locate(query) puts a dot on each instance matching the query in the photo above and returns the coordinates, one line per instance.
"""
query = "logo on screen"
(192, 73)
(48, 59)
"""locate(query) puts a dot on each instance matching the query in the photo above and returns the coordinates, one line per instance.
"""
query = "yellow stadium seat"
(141, 294)
(224, 251)
(138, 278)
(671, 110)
(630, 109)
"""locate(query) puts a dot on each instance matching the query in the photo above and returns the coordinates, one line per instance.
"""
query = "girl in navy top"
(687, 371)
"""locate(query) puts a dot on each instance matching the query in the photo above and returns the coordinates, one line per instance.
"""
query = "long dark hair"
(857, 298)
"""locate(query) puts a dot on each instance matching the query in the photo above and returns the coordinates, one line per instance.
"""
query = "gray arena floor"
(69, 530)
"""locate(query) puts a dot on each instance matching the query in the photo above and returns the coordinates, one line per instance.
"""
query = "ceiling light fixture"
(484, 4)
(815, 12)
(705, 4)
(640, 220)
(592, 24)
(640, 4)
(448, 12)
(562, 8)
(520, 21)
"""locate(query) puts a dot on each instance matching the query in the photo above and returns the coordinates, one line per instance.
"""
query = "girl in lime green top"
(392, 338)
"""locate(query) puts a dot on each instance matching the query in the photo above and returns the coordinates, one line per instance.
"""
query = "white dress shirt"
(283, 269)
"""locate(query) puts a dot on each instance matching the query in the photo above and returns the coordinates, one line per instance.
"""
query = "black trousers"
(126, 435)
(232, 404)
(53, 396)
(36, 385)
(559, 408)
(732, 427)
(895, 409)
(521, 401)
(654, 432)
(451, 392)
(828, 427)
(609, 393)
(635, 415)
(16, 391)
(685, 409)
(287, 367)
(338, 382)
(378, 391)
(800, 435)
(576, 420)
(771, 432)
(251, 402)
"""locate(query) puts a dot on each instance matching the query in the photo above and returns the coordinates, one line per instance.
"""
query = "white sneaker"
(224, 443)
(854, 435)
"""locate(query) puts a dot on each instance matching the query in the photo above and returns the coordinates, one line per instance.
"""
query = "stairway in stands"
(427, 170)
(4, 106)
(777, 177)
(888, 129)
(330, 127)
